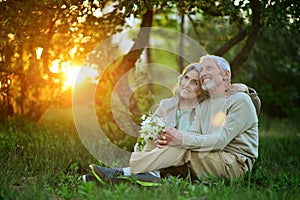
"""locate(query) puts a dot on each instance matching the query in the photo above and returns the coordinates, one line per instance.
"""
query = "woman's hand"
(236, 87)
(171, 137)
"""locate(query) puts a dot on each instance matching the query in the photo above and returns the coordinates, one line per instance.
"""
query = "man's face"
(210, 74)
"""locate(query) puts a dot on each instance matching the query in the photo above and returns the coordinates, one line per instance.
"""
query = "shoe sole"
(96, 175)
(88, 178)
(102, 181)
(142, 183)
(148, 184)
(84, 179)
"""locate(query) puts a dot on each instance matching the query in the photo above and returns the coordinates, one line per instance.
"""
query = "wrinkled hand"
(236, 87)
(171, 137)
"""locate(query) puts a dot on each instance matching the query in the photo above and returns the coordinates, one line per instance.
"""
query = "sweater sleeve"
(160, 111)
(240, 116)
(255, 99)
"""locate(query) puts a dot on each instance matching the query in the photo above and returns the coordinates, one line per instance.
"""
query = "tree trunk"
(108, 82)
(128, 62)
(181, 44)
(245, 52)
(231, 43)
(149, 61)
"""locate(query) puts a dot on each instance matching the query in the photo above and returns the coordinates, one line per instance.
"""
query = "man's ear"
(226, 75)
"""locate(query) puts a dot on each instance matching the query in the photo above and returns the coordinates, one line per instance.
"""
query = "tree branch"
(118, 77)
(194, 25)
(181, 43)
(230, 43)
(212, 11)
(128, 62)
(136, 50)
(245, 52)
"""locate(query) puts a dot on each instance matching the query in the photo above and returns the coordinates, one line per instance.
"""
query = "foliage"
(281, 13)
(65, 31)
(215, 24)
(273, 69)
(45, 162)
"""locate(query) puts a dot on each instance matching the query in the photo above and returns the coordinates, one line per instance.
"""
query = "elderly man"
(222, 141)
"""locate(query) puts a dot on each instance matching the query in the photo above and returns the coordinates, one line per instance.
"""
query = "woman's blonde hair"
(188, 68)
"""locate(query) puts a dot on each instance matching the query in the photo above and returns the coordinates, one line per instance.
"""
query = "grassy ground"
(45, 162)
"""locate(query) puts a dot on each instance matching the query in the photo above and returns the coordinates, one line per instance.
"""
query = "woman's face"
(190, 86)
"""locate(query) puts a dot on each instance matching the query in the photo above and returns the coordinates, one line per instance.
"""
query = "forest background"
(50, 58)
(43, 41)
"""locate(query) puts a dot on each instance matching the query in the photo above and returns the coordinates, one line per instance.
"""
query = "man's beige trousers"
(203, 164)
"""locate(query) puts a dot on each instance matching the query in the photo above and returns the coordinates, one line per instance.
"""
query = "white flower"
(151, 127)
(143, 117)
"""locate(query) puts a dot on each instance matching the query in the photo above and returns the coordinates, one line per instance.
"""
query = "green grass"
(45, 162)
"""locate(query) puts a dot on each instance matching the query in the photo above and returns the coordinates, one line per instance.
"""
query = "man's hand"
(171, 137)
(236, 87)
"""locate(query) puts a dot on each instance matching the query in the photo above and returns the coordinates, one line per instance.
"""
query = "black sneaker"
(88, 178)
(148, 179)
(106, 175)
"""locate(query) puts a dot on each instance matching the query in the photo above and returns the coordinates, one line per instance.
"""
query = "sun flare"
(70, 77)
(74, 74)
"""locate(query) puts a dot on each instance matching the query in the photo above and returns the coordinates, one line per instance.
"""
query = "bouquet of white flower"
(151, 127)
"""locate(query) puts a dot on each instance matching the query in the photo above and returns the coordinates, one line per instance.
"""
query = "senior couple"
(216, 132)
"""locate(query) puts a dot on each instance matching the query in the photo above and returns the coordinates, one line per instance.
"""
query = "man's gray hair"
(221, 62)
